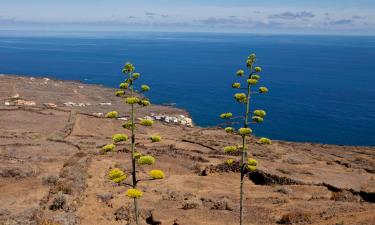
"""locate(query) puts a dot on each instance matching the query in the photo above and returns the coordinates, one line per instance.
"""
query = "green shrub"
(108, 147)
(155, 138)
(119, 137)
(112, 114)
(229, 149)
(229, 129)
(146, 160)
(157, 174)
(264, 141)
(119, 93)
(147, 122)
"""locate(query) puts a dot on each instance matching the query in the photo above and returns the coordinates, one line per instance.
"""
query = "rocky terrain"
(51, 171)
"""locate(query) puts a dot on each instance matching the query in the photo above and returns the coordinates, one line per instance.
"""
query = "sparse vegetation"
(295, 218)
(137, 158)
(246, 164)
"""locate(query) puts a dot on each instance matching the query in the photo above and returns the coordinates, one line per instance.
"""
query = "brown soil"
(51, 171)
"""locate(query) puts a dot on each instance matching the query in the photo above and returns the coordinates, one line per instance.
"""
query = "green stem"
(134, 173)
(244, 151)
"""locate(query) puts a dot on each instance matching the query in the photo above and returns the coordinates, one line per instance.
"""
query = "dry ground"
(51, 172)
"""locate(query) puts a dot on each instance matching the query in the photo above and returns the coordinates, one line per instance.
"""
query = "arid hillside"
(52, 171)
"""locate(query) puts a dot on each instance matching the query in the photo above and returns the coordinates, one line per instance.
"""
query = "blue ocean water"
(322, 88)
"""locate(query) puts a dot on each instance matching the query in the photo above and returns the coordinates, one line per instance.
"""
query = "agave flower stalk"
(132, 98)
(244, 97)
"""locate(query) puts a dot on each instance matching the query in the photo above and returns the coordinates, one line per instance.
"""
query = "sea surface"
(322, 88)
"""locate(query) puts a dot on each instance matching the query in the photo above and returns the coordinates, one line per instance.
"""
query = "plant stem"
(244, 151)
(134, 173)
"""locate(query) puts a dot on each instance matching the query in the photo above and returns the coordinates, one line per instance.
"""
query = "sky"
(351, 17)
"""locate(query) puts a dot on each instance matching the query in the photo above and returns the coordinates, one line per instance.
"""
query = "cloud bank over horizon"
(344, 17)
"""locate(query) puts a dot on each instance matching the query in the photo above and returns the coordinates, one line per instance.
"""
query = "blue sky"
(265, 16)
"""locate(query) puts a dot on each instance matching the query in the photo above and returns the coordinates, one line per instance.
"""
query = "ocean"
(322, 88)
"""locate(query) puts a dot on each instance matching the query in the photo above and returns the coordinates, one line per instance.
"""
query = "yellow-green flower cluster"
(146, 160)
(155, 138)
(128, 68)
(227, 115)
(136, 75)
(108, 147)
(255, 77)
(144, 103)
(264, 141)
(124, 85)
(127, 125)
(116, 175)
(260, 113)
(145, 88)
(263, 90)
(241, 147)
(132, 100)
(112, 114)
(229, 149)
(229, 129)
(229, 162)
(252, 164)
(119, 137)
(258, 69)
(147, 122)
(252, 81)
(134, 193)
(236, 85)
(257, 119)
(157, 174)
(240, 97)
(250, 60)
(240, 73)
(137, 155)
(244, 131)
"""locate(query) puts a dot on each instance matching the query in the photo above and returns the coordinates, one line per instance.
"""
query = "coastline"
(166, 108)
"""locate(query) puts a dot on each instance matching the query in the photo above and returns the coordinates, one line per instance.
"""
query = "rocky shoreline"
(51, 172)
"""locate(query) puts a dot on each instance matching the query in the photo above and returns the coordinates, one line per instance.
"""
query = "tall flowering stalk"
(257, 116)
(129, 93)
